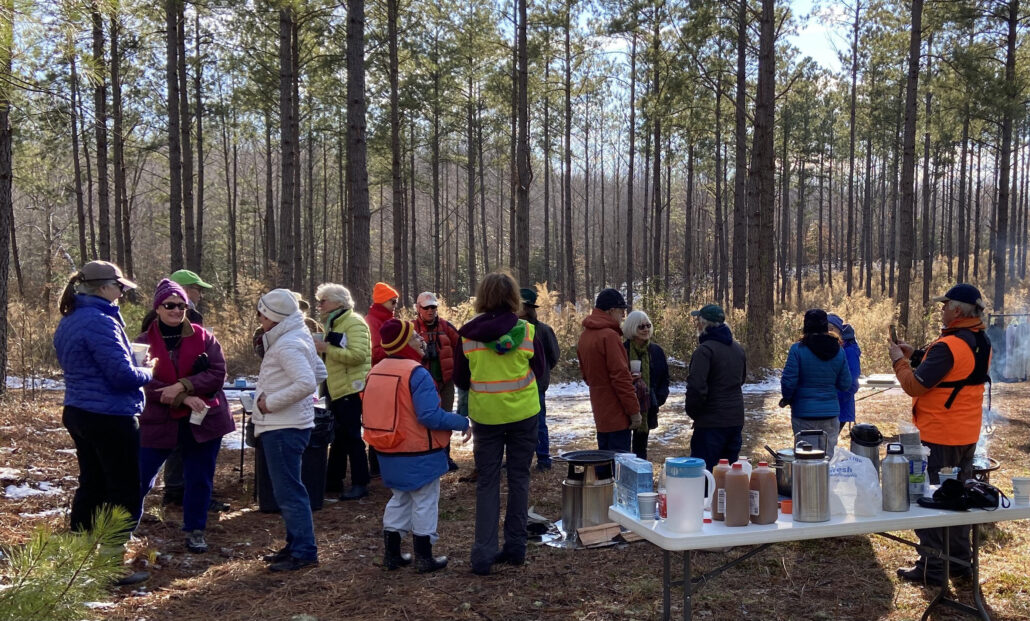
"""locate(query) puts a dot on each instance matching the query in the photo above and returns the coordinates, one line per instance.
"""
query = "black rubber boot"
(392, 558)
(425, 562)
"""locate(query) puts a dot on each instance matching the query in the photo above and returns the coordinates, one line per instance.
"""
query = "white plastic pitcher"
(685, 493)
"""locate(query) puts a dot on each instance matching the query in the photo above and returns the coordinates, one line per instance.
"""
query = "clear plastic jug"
(685, 493)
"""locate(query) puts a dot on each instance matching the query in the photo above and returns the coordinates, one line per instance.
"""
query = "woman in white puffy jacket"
(283, 418)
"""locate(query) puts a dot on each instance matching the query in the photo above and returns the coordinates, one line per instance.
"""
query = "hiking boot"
(292, 564)
(543, 466)
(425, 562)
(133, 578)
(277, 557)
(217, 506)
(392, 558)
(451, 465)
(469, 478)
(504, 557)
(917, 574)
(355, 492)
(195, 542)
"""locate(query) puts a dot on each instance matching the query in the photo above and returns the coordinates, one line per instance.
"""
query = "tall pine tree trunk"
(100, 127)
(187, 146)
(174, 138)
(287, 110)
(525, 175)
(359, 276)
(80, 211)
(740, 161)
(1008, 104)
(908, 164)
(629, 175)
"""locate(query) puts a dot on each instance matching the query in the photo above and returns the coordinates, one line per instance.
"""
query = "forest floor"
(842, 578)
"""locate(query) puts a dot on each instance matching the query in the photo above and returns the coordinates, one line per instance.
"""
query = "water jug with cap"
(895, 479)
(685, 493)
(811, 490)
(865, 441)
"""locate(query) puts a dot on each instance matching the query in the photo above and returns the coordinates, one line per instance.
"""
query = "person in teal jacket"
(816, 369)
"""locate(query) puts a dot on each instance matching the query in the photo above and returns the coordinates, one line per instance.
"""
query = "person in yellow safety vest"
(404, 421)
(498, 364)
(946, 383)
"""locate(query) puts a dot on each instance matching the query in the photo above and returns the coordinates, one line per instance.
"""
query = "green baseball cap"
(187, 278)
(528, 297)
(711, 312)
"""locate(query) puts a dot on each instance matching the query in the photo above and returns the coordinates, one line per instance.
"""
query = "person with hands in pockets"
(347, 351)
(285, 414)
(405, 423)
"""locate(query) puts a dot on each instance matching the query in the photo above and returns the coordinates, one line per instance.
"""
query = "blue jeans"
(714, 443)
(198, 470)
(284, 449)
(543, 442)
(618, 441)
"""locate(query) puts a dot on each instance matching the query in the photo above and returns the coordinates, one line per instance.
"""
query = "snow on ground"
(39, 383)
(48, 513)
(18, 492)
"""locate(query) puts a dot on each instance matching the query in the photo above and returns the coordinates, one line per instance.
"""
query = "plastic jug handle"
(711, 487)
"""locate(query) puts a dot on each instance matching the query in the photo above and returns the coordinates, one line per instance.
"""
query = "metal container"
(895, 479)
(865, 441)
(587, 490)
(784, 467)
(811, 489)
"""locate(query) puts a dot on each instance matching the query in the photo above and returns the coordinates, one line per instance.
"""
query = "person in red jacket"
(384, 303)
(440, 338)
(605, 368)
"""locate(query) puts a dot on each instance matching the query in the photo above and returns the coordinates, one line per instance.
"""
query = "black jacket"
(552, 352)
(718, 368)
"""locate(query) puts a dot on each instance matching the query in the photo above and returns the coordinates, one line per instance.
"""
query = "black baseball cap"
(962, 293)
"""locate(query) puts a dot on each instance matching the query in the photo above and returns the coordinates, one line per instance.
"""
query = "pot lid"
(786, 454)
(587, 457)
(805, 450)
(866, 435)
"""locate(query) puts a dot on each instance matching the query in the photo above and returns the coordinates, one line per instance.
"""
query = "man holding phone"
(946, 383)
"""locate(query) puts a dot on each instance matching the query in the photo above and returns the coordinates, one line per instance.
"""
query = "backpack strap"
(980, 374)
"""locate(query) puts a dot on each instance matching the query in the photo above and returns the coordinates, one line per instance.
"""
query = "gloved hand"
(635, 420)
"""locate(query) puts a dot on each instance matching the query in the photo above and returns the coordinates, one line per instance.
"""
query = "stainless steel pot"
(784, 467)
(587, 490)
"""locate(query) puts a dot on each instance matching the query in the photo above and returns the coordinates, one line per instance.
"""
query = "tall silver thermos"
(865, 441)
(894, 471)
(811, 484)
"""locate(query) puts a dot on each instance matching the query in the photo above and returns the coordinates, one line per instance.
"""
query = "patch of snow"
(99, 605)
(568, 389)
(39, 383)
(43, 514)
(68, 451)
(19, 492)
(770, 384)
(233, 440)
(9, 474)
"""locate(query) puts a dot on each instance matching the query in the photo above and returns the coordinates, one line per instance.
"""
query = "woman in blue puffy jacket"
(816, 369)
(103, 394)
(852, 352)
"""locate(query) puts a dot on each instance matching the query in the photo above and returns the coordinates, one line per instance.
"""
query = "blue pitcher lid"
(687, 467)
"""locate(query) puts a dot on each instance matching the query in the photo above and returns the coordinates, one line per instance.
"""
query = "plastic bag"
(854, 485)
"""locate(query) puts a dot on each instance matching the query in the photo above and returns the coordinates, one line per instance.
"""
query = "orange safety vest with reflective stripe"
(502, 387)
(388, 413)
(958, 424)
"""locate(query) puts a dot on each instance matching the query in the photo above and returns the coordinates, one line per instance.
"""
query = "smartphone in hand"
(894, 333)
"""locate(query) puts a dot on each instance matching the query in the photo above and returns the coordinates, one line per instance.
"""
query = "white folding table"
(718, 535)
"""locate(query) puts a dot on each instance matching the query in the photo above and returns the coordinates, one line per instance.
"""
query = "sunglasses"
(174, 306)
(429, 307)
(644, 326)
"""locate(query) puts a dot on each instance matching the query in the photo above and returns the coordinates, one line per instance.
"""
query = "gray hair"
(333, 292)
(704, 324)
(965, 309)
(633, 321)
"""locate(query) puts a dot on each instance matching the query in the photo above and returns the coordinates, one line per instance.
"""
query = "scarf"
(963, 323)
(638, 351)
(175, 363)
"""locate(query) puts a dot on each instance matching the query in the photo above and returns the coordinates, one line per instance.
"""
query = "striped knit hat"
(395, 334)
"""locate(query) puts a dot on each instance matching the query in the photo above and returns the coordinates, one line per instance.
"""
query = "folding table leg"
(666, 586)
(688, 586)
(977, 594)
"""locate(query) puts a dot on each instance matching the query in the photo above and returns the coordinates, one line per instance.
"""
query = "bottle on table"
(764, 495)
(719, 497)
(894, 473)
(738, 496)
(663, 511)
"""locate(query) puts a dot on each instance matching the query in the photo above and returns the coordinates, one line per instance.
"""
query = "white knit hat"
(278, 304)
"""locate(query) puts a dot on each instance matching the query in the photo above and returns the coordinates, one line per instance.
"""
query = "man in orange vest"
(946, 383)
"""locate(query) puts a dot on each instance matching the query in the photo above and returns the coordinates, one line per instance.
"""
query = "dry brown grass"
(844, 578)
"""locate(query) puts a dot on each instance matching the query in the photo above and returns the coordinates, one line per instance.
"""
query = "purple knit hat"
(166, 289)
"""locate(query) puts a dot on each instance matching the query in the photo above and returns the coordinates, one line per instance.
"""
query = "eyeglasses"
(174, 306)
(644, 326)
(429, 307)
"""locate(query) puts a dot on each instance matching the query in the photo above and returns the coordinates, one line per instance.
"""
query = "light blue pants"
(414, 512)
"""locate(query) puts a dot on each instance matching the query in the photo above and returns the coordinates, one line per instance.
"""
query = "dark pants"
(173, 478)
(543, 442)
(107, 448)
(960, 547)
(198, 467)
(714, 443)
(347, 445)
(640, 442)
(490, 443)
(618, 441)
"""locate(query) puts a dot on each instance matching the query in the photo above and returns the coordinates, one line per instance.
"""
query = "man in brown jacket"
(605, 368)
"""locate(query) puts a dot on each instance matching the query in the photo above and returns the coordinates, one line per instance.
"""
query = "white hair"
(334, 293)
(965, 309)
(633, 321)
(704, 324)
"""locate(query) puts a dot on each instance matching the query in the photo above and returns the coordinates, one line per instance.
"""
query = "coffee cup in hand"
(139, 354)
(197, 418)
(634, 367)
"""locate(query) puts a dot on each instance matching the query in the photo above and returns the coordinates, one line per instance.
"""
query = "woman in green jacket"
(347, 351)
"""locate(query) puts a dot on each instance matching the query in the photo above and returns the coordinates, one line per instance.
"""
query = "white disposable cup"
(647, 502)
(247, 401)
(317, 336)
(634, 366)
(139, 353)
(197, 418)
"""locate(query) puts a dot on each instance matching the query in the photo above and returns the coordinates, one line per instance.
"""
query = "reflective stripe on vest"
(388, 413)
(502, 386)
(959, 424)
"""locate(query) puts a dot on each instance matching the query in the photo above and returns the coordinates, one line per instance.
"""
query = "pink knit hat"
(166, 289)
